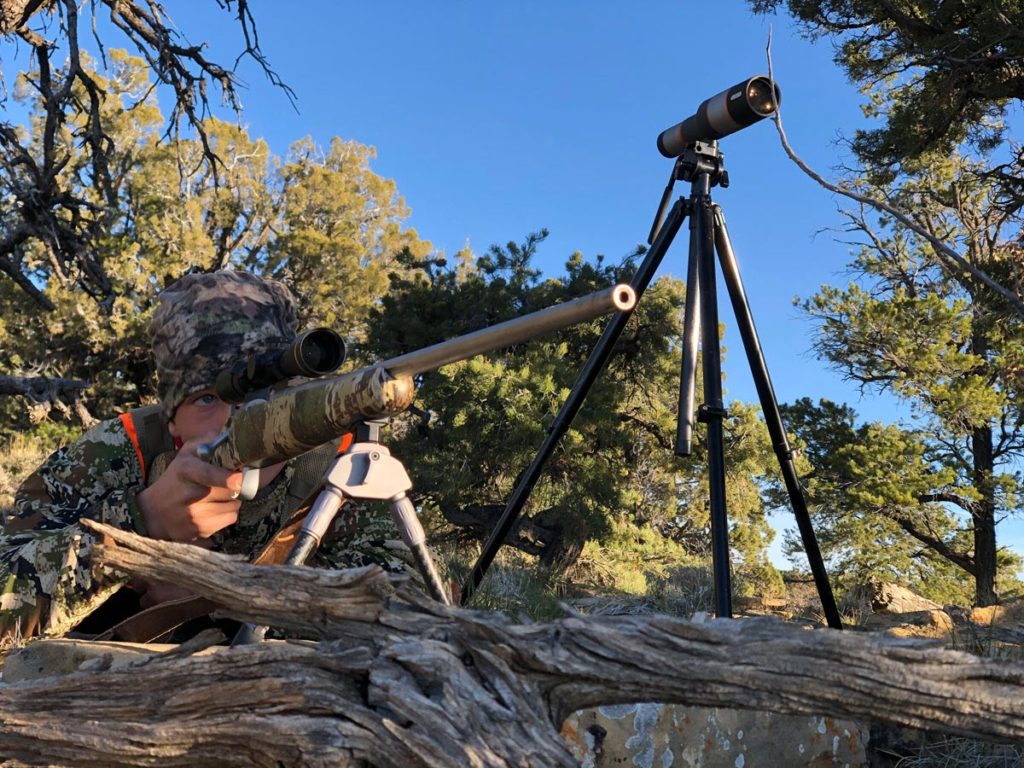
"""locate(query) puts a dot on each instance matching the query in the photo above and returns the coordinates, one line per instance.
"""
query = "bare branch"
(40, 388)
(950, 258)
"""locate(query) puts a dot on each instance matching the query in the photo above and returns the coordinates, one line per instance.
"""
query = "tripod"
(703, 166)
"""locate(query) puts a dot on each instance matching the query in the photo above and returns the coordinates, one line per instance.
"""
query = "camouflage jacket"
(48, 583)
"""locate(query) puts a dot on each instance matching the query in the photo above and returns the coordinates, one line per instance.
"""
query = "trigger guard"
(250, 483)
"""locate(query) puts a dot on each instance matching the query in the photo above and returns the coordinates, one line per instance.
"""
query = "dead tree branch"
(398, 680)
(947, 257)
(46, 393)
(52, 202)
(39, 388)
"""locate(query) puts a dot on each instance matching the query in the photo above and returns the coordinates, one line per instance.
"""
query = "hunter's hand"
(192, 500)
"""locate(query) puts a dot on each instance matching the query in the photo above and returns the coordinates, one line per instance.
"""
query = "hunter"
(140, 472)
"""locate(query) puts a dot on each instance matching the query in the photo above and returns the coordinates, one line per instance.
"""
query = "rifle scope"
(316, 352)
(727, 112)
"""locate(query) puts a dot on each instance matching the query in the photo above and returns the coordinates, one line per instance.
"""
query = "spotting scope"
(727, 112)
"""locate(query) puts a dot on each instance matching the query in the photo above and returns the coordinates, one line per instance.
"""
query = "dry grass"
(956, 752)
(17, 459)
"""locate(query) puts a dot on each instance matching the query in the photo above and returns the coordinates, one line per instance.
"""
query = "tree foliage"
(937, 73)
(320, 219)
(62, 179)
(935, 316)
(877, 513)
(485, 418)
(950, 352)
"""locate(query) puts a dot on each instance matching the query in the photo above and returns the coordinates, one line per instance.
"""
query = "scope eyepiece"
(316, 352)
(727, 112)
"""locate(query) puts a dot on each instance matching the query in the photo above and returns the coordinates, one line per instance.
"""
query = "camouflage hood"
(205, 322)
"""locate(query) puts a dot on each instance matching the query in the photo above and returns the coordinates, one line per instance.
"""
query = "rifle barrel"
(620, 298)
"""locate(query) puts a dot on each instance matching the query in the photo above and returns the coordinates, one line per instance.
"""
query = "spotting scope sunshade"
(727, 112)
(317, 352)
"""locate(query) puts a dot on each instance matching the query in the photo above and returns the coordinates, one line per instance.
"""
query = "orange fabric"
(129, 426)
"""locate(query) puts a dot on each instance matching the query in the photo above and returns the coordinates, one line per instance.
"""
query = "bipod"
(703, 166)
(365, 472)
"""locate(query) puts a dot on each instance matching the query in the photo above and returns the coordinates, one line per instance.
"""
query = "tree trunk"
(399, 680)
(984, 519)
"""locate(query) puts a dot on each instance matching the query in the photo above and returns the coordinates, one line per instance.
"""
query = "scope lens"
(313, 356)
(759, 96)
(320, 351)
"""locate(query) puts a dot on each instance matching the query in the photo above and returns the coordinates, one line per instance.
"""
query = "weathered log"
(397, 680)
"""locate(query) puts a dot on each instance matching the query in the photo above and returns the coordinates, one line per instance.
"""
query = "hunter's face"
(201, 414)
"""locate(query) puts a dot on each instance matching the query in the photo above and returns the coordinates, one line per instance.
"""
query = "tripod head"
(701, 158)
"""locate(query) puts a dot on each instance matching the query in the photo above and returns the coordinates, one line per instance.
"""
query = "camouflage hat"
(205, 322)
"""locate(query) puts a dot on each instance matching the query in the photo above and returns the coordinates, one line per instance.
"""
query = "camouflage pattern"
(205, 322)
(308, 415)
(48, 586)
(46, 581)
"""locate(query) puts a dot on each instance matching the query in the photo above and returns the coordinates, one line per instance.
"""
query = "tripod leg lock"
(708, 413)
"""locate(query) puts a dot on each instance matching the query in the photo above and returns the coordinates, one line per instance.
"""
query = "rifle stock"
(300, 418)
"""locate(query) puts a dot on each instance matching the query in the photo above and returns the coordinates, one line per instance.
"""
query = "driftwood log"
(398, 680)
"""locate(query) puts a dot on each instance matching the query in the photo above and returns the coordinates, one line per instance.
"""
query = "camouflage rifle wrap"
(303, 417)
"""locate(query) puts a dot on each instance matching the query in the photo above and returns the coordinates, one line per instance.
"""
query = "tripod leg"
(691, 335)
(712, 412)
(602, 351)
(772, 417)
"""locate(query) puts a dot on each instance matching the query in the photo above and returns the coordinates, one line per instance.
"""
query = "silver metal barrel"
(619, 298)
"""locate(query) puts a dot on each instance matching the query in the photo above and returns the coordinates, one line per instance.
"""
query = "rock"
(670, 736)
(932, 623)
(883, 597)
(996, 628)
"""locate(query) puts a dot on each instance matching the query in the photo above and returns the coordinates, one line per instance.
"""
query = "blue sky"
(496, 119)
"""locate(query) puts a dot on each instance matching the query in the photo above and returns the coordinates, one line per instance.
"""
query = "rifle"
(300, 418)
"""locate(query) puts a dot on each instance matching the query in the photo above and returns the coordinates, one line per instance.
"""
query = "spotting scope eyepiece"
(317, 352)
(727, 112)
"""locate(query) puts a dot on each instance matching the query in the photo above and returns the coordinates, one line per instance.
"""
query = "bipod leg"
(366, 471)
(307, 541)
(772, 417)
(595, 363)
